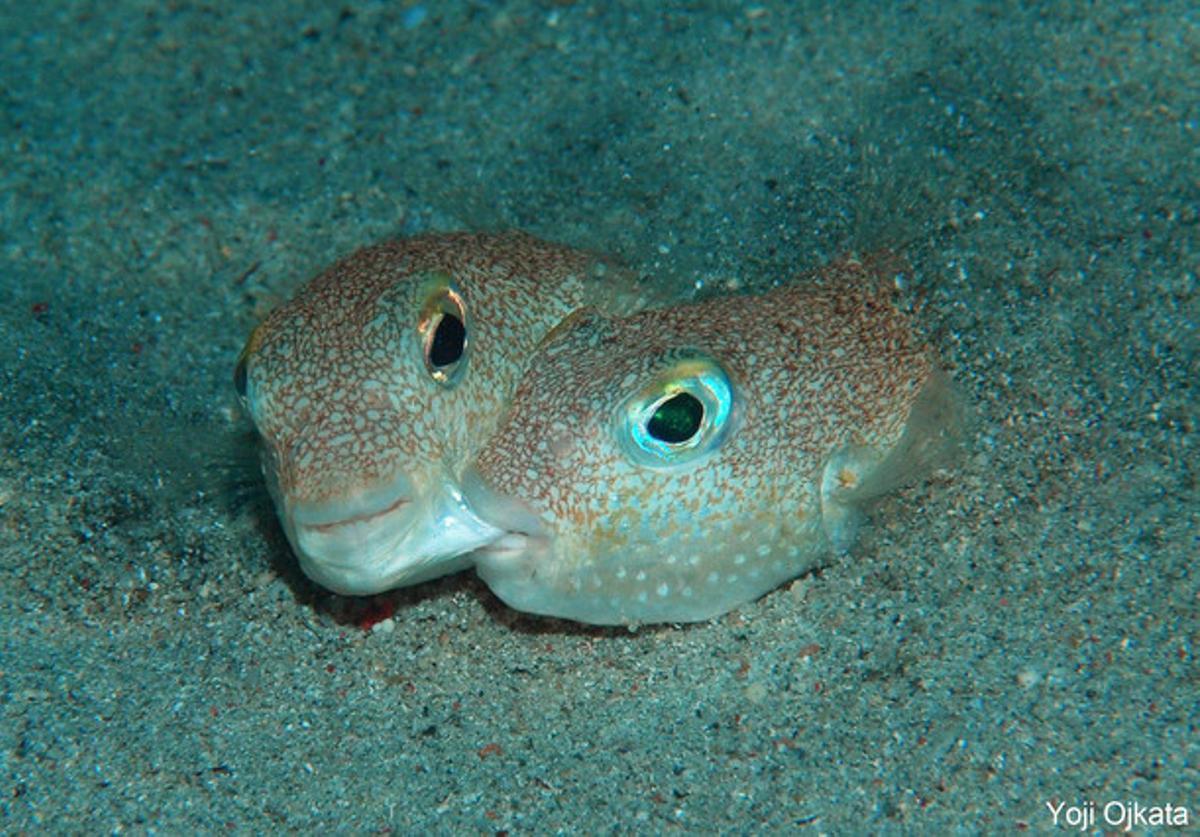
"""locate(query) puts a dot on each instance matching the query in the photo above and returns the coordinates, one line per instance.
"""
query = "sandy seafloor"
(1020, 629)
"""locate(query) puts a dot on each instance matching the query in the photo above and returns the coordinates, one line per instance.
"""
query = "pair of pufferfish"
(528, 409)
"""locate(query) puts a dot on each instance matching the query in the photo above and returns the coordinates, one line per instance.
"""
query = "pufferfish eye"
(241, 370)
(677, 419)
(681, 415)
(443, 329)
(241, 376)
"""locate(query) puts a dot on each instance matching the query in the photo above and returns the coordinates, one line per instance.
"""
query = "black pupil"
(240, 377)
(677, 419)
(449, 339)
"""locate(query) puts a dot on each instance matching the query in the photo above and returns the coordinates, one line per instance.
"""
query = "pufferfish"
(671, 465)
(376, 384)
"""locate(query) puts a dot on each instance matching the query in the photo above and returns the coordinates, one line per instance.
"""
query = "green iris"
(678, 416)
(677, 419)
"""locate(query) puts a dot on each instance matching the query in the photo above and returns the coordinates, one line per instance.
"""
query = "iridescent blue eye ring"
(681, 415)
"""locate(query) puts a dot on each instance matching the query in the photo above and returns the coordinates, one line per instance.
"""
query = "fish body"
(376, 384)
(670, 465)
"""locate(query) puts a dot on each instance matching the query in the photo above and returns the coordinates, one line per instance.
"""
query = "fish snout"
(523, 538)
(397, 532)
(534, 566)
(498, 508)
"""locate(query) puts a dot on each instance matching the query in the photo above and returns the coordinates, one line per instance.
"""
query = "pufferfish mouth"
(364, 542)
(522, 531)
(363, 517)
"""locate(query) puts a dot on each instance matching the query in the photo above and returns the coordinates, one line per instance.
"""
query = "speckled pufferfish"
(673, 464)
(375, 385)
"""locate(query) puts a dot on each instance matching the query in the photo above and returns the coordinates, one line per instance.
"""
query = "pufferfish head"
(671, 465)
(374, 385)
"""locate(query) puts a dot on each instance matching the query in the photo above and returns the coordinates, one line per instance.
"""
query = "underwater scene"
(578, 417)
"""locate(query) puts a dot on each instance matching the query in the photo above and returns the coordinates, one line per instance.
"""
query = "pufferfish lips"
(389, 537)
(372, 389)
(673, 464)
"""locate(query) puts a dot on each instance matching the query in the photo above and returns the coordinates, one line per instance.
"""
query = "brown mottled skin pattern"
(825, 365)
(336, 382)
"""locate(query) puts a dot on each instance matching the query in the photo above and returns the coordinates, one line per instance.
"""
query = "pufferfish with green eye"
(671, 465)
(377, 383)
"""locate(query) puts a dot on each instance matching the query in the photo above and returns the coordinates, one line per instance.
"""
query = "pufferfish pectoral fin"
(856, 474)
